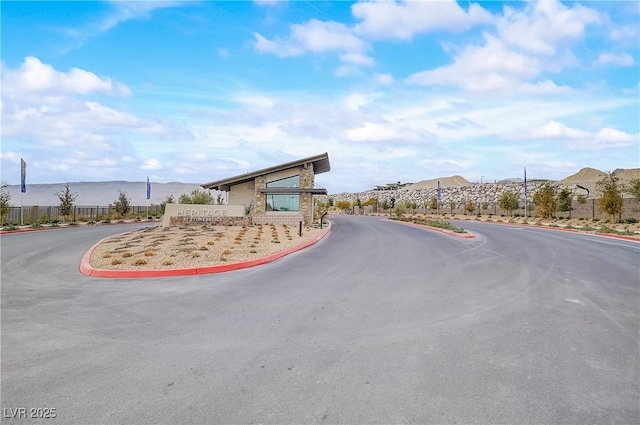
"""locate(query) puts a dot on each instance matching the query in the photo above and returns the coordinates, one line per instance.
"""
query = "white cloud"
(317, 37)
(405, 19)
(34, 77)
(526, 45)
(625, 33)
(151, 164)
(267, 3)
(384, 132)
(384, 79)
(451, 165)
(47, 111)
(621, 59)
(126, 11)
(491, 67)
(544, 27)
(572, 138)
(556, 130)
(357, 59)
(312, 37)
(104, 162)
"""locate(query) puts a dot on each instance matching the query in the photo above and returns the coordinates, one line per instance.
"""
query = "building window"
(293, 181)
(283, 202)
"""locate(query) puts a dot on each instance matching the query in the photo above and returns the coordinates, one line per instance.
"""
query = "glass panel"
(293, 181)
(283, 202)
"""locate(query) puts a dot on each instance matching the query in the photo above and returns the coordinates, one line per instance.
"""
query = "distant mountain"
(101, 193)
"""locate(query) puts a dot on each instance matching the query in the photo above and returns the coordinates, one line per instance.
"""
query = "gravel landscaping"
(157, 248)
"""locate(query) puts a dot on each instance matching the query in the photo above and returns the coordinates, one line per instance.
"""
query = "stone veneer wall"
(288, 219)
(306, 199)
(260, 183)
(486, 192)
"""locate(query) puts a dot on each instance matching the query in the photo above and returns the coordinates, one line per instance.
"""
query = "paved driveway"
(377, 323)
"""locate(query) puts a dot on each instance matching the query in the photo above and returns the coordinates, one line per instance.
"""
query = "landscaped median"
(441, 226)
(444, 226)
(158, 252)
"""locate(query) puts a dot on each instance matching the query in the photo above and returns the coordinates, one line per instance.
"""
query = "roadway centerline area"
(376, 323)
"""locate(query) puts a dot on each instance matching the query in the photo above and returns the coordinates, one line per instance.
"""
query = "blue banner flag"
(526, 192)
(23, 176)
(439, 190)
(148, 189)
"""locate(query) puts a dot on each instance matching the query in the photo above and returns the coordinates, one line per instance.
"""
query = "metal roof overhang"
(320, 165)
(292, 190)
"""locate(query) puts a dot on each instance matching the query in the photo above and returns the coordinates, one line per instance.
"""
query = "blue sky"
(393, 91)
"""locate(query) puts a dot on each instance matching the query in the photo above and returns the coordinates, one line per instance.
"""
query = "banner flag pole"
(23, 187)
(148, 196)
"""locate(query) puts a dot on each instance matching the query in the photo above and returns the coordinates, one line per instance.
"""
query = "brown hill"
(586, 175)
(628, 174)
(591, 175)
(454, 181)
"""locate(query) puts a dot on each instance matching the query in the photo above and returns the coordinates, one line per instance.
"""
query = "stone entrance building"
(282, 194)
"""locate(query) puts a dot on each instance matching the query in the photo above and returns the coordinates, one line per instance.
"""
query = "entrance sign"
(177, 214)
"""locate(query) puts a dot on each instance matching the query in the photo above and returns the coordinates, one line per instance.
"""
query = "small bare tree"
(123, 204)
(67, 198)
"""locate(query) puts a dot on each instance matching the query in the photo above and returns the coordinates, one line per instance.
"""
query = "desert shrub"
(116, 261)
(140, 262)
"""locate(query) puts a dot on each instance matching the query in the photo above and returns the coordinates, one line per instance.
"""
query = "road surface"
(377, 323)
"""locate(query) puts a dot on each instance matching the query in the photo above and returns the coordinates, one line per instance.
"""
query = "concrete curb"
(88, 270)
(437, 229)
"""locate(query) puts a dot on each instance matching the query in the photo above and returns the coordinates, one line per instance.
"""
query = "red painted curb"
(87, 269)
(437, 229)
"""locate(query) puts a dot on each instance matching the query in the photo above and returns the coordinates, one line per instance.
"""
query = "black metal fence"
(29, 214)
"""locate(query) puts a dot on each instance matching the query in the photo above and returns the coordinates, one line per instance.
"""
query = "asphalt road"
(377, 323)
